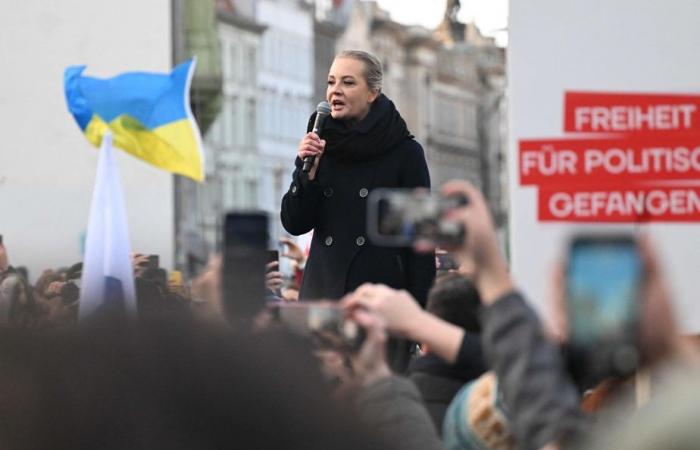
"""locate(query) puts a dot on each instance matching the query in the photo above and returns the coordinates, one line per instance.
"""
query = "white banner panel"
(605, 133)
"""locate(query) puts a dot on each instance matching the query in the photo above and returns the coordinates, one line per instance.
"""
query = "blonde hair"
(373, 67)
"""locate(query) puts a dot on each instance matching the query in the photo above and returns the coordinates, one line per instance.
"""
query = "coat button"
(294, 189)
(329, 240)
(360, 241)
(364, 192)
(328, 192)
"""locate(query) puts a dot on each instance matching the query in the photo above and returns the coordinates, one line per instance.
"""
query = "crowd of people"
(53, 299)
(395, 357)
(486, 373)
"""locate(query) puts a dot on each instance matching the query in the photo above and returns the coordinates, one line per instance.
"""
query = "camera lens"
(70, 293)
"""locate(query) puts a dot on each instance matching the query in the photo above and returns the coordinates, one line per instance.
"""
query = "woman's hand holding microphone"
(311, 145)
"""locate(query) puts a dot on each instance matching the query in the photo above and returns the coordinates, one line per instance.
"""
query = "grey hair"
(373, 67)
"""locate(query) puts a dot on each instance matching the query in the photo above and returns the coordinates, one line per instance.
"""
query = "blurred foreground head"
(169, 387)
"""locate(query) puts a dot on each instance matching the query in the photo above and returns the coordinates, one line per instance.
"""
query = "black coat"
(438, 381)
(334, 205)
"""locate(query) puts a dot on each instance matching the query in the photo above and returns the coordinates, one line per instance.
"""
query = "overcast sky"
(491, 16)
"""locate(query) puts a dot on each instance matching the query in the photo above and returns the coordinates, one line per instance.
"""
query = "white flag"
(107, 282)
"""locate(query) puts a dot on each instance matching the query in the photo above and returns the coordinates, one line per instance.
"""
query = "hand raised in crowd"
(4, 260)
(369, 363)
(660, 334)
(207, 293)
(273, 278)
(290, 294)
(54, 288)
(311, 145)
(139, 262)
(399, 310)
(294, 252)
(403, 316)
(364, 367)
(480, 250)
(659, 331)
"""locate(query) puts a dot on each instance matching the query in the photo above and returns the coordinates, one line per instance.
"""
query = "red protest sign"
(611, 112)
(620, 204)
(645, 169)
(593, 161)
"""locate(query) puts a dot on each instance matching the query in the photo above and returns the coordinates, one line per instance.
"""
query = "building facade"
(449, 86)
(286, 78)
(233, 159)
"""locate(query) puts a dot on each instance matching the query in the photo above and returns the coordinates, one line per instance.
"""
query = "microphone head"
(323, 109)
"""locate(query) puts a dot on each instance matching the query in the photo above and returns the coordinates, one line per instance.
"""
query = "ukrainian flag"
(148, 114)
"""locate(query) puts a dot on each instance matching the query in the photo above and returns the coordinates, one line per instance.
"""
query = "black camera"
(70, 292)
(401, 217)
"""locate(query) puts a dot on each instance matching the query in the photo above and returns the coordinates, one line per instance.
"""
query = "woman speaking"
(365, 145)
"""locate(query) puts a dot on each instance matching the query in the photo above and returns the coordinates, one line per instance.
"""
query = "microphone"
(322, 111)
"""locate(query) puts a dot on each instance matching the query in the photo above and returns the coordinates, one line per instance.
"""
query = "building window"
(250, 122)
(233, 67)
(226, 122)
(252, 62)
(251, 193)
(229, 194)
(235, 121)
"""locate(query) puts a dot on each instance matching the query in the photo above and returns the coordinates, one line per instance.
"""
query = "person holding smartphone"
(542, 400)
(365, 144)
(16, 303)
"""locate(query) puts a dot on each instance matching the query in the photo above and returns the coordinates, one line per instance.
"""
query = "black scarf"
(379, 132)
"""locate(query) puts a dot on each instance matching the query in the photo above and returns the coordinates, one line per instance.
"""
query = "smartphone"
(244, 257)
(273, 256)
(400, 217)
(324, 322)
(153, 262)
(0, 239)
(446, 262)
(603, 285)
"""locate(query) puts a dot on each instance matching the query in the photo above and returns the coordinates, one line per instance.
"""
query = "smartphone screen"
(446, 262)
(397, 217)
(243, 272)
(273, 256)
(603, 286)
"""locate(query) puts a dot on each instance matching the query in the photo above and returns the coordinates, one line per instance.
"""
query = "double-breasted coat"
(334, 205)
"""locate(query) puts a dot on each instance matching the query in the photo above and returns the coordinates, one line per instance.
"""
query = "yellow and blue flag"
(148, 115)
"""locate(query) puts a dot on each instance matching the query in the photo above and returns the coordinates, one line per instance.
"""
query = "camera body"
(402, 217)
(324, 322)
(603, 280)
(70, 292)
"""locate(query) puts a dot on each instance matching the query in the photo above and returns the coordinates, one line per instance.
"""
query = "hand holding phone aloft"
(480, 248)
(655, 331)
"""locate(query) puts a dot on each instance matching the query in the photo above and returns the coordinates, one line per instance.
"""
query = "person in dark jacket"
(366, 145)
(454, 298)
